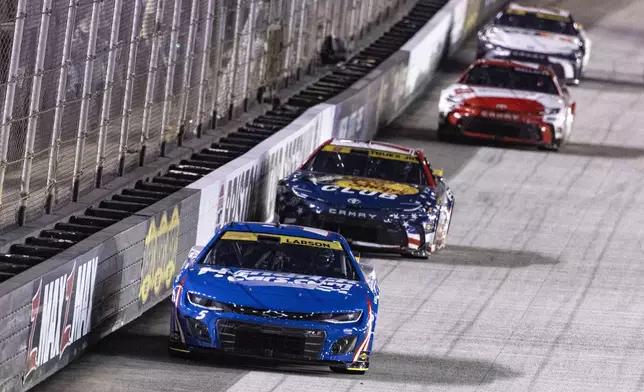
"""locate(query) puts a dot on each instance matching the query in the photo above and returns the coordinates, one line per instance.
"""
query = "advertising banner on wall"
(371, 102)
(159, 264)
(61, 315)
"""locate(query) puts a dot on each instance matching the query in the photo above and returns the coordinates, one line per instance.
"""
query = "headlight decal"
(205, 302)
(340, 318)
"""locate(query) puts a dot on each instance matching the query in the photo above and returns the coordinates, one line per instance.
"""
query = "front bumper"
(184, 349)
(567, 69)
(366, 228)
(263, 338)
(456, 123)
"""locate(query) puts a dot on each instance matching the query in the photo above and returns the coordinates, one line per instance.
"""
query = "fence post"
(12, 78)
(169, 79)
(249, 52)
(220, 24)
(289, 34)
(203, 78)
(235, 57)
(87, 92)
(300, 33)
(60, 107)
(187, 71)
(34, 105)
(107, 96)
(152, 78)
(129, 83)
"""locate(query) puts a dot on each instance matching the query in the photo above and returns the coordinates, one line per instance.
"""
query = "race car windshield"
(271, 255)
(361, 164)
(511, 78)
(548, 23)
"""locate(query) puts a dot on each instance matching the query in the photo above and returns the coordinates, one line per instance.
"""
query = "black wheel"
(343, 370)
(554, 146)
(442, 134)
(415, 254)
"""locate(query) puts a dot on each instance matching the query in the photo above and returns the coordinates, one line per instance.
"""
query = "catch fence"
(91, 90)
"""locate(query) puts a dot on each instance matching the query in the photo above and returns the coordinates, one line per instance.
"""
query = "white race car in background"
(538, 35)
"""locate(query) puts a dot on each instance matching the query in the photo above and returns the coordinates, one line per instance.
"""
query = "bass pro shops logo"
(61, 314)
(159, 255)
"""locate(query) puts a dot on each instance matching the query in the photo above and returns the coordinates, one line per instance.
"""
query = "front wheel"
(343, 370)
(443, 135)
(554, 146)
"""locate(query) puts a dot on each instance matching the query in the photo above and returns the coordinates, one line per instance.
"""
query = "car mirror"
(437, 172)
(369, 272)
(194, 252)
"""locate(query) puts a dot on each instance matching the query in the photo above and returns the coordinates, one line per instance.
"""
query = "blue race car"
(274, 291)
(377, 195)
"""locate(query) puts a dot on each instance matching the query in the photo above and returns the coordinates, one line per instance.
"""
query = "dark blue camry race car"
(376, 195)
(276, 291)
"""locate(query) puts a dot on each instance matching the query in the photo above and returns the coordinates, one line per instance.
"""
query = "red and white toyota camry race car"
(509, 101)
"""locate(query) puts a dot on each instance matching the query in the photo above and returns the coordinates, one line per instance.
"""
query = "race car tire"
(554, 146)
(343, 370)
(443, 135)
(415, 254)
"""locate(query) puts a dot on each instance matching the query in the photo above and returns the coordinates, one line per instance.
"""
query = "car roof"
(541, 10)
(373, 145)
(283, 229)
(515, 64)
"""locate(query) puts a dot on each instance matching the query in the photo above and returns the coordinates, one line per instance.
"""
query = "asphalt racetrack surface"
(541, 287)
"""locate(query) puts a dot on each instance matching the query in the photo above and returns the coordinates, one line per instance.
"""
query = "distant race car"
(508, 101)
(280, 292)
(377, 195)
(538, 35)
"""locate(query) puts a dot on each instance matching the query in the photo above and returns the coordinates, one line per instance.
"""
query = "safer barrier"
(127, 250)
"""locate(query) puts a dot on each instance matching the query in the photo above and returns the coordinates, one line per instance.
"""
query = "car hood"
(531, 40)
(277, 291)
(495, 98)
(361, 192)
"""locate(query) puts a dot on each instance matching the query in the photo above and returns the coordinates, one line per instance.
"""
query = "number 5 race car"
(281, 292)
(537, 35)
(509, 101)
(377, 195)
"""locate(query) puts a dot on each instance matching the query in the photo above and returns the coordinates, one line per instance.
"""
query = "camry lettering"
(500, 116)
(352, 214)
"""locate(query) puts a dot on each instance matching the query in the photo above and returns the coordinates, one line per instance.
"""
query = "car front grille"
(270, 341)
(366, 230)
(510, 129)
(538, 58)
(268, 313)
(534, 57)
